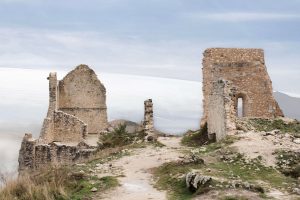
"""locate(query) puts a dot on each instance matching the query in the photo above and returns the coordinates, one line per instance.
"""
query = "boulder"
(195, 181)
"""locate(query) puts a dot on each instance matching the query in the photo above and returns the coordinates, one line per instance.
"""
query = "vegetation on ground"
(269, 125)
(119, 137)
(226, 167)
(288, 162)
(234, 166)
(196, 138)
(62, 183)
(170, 177)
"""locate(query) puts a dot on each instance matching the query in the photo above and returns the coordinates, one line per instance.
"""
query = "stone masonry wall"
(246, 69)
(148, 117)
(48, 128)
(221, 116)
(34, 155)
(68, 128)
(82, 94)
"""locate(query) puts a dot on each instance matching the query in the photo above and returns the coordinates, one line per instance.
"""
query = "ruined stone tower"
(79, 99)
(77, 109)
(245, 70)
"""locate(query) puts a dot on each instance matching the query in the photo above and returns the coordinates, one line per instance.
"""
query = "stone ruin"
(230, 75)
(77, 110)
(148, 123)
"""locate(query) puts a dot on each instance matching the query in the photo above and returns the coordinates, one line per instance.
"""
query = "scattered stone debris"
(94, 189)
(296, 140)
(191, 158)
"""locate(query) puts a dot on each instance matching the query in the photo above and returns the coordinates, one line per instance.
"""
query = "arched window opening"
(240, 107)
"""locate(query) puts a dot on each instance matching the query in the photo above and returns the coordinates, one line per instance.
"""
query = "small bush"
(196, 138)
(288, 163)
(119, 137)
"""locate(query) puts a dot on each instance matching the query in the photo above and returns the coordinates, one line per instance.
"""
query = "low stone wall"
(34, 155)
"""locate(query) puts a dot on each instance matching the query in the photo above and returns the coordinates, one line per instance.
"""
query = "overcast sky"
(162, 38)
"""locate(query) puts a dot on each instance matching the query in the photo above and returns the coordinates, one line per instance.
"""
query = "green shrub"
(119, 137)
(196, 138)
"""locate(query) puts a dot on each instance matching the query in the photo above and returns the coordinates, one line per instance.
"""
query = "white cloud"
(243, 16)
(32, 48)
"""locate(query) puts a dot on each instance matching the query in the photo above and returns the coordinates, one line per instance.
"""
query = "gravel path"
(136, 180)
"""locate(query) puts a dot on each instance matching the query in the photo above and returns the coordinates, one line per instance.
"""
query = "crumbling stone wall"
(77, 107)
(246, 71)
(222, 113)
(34, 155)
(68, 128)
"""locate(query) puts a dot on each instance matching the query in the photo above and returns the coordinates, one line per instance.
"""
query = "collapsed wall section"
(34, 155)
(68, 128)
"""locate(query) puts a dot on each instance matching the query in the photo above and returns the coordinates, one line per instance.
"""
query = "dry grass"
(24, 188)
(49, 184)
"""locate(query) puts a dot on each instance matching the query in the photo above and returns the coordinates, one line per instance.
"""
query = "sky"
(160, 38)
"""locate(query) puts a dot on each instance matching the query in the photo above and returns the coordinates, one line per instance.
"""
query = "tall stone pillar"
(148, 124)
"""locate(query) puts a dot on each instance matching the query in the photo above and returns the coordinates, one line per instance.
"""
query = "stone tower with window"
(246, 71)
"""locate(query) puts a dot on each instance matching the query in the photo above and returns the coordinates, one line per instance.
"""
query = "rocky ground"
(253, 164)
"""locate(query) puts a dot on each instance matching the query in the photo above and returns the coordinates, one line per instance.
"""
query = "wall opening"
(240, 107)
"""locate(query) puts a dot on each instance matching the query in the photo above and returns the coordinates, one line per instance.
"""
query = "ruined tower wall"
(82, 94)
(221, 116)
(246, 69)
(48, 126)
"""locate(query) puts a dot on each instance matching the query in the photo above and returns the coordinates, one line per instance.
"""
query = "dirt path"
(135, 180)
